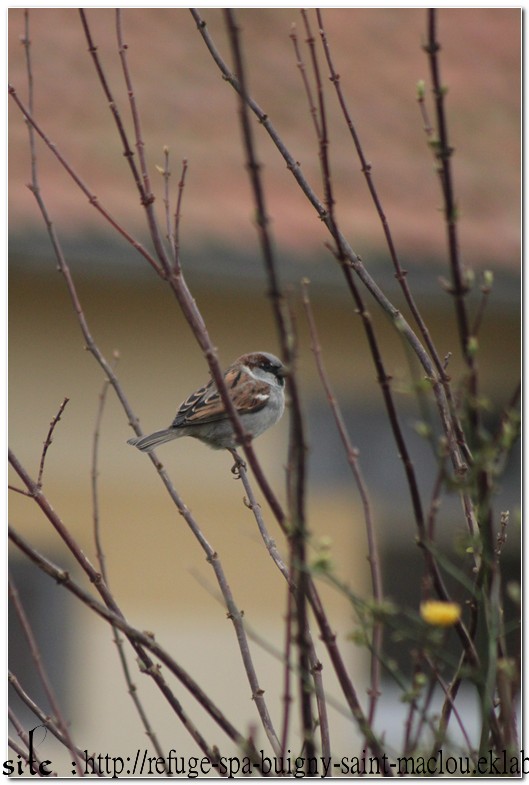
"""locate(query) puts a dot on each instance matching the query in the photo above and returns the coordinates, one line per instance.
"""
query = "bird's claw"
(238, 465)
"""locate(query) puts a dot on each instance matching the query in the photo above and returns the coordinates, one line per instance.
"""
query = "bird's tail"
(148, 443)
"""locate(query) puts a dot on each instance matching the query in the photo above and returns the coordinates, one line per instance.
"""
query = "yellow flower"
(440, 614)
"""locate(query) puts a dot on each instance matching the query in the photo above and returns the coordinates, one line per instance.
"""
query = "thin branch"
(41, 671)
(45, 720)
(443, 153)
(287, 686)
(301, 65)
(140, 175)
(19, 490)
(177, 217)
(450, 699)
(131, 687)
(147, 194)
(400, 272)
(235, 615)
(352, 459)
(486, 289)
(315, 664)
(25, 738)
(323, 135)
(408, 725)
(255, 508)
(49, 440)
(423, 718)
(297, 448)
(128, 152)
(165, 171)
(94, 474)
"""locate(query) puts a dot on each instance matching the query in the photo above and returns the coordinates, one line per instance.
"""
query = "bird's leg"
(239, 463)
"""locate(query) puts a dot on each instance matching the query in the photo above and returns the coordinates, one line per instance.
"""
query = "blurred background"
(157, 571)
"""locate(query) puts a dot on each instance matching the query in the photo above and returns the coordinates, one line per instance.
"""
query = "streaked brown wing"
(205, 405)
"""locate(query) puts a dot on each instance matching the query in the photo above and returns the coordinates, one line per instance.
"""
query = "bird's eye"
(275, 369)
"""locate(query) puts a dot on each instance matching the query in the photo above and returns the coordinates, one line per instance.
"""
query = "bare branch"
(178, 216)
(297, 448)
(41, 671)
(131, 687)
(400, 273)
(45, 720)
(352, 459)
(48, 441)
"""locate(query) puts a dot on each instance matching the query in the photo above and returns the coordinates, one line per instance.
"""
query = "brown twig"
(287, 660)
(44, 718)
(255, 508)
(41, 672)
(178, 216)
(49, 440)
(400, 272)
(443, 153)
(34, 769)
(165, 171)
(352, 459)
(147, 193)
(408, 724)
(450, 699)
(140, 175)
(297, 448)
(288, 573)
(128, 152)
(131, 687)
(486, 289)
(94, 474)
(423, 718)
(19, 490)
(306, 84)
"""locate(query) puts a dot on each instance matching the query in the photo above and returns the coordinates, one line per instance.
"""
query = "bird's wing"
(205, 405)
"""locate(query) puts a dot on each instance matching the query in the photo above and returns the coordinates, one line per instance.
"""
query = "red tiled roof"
(187, 106)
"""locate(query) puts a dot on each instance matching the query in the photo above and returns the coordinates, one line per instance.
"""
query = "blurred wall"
(157, 570)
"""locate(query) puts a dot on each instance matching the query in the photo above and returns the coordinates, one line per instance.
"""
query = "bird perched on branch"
(255, 383)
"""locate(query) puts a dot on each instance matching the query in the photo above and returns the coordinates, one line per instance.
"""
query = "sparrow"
(255, 383)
